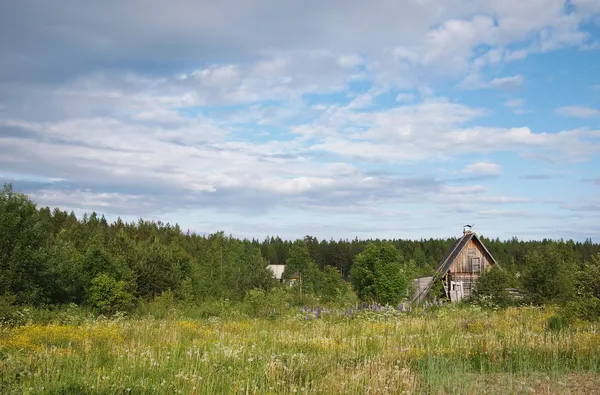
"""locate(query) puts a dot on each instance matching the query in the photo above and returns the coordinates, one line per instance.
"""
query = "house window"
(467, 287)
(475, 265)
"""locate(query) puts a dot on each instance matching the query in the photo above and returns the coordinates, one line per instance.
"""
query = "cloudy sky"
(403, 119)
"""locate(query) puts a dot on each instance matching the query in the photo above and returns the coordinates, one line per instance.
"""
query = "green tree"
(299, 262)
(393, 282)
(99, 260)
(66, 266)
(108, 295)
(331, 287)
(159, 268)
(379, 273)
(549, 274)
(490, 289)
(252, 272)
(22, 256)
(587, 301)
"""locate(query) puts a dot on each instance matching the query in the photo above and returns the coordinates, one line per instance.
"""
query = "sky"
(380, 119)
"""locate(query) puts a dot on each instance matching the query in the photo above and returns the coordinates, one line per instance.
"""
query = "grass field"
(449, 350)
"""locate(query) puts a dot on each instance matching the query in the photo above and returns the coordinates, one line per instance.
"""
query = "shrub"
(489, 291)
(330, 286)
(585, 308)
(164, 306)
(560, 321)
(108, 295)
(8, 309)
(549, 277)
(380, 274)
(261, 303)
(586, 304)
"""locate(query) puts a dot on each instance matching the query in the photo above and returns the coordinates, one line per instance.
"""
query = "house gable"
(465, 261)
(463, 253)
(472, 258)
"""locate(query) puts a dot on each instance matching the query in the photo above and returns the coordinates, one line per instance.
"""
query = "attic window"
(475, 265)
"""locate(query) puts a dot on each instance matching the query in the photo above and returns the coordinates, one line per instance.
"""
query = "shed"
(463, 264)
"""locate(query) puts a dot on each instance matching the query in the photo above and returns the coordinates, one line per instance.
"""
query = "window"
(475, 265)
(467, 287)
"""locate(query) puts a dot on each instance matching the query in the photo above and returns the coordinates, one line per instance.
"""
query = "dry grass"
(451, 350)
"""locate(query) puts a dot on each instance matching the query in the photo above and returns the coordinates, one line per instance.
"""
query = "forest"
(49, 258)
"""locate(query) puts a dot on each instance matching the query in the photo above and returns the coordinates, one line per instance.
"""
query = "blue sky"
(380, 119)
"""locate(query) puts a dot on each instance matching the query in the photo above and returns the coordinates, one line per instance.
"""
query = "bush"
(560, 321)
(549, 277)
(260, 303)
(489, 291)
(380, 274)
(8, 310)
(331, 287)
(585, 308)
(586, 304)
(109, 296)
(164, 306)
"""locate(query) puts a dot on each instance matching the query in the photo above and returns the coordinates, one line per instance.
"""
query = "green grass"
(450, 350)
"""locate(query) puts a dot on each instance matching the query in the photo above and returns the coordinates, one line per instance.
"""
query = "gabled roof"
(456, 248)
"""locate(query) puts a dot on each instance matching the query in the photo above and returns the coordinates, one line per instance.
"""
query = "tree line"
(51, 257)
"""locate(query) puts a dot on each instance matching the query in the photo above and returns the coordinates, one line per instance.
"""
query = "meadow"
(450, 349)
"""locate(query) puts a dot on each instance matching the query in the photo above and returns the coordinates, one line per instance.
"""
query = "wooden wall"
(462, 262)
(463, 269)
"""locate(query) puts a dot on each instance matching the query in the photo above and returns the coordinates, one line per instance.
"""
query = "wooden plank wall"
(460, 270)
(461, 262)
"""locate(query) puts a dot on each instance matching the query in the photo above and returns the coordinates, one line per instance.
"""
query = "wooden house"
(465, 261)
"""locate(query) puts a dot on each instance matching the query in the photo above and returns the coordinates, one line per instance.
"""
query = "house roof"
(277, 270)
(456, 248)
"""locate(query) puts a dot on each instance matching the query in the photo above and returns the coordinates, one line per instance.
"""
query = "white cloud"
(511, 82)
(465, 190)
(483, 168)
(474, 81)
(253, 120)
(517, 106)
(577, 112)
(515, 103)
(361, 101)
(404, 43)
(433, 130)
(405, 97)
(147, 145)
(86, 200)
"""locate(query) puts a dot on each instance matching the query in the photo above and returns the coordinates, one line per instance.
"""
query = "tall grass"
(447, 350)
